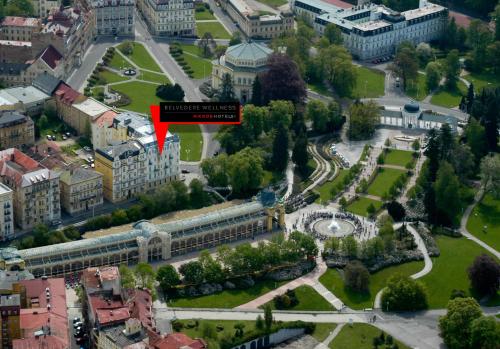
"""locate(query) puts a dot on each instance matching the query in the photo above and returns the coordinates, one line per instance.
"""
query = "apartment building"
(168, 17)
(114, 17)
(16, 130)
(29, 100)
(36, 189)
(43, 7)
(6, 213)
(372, 30)
(19, 28)
(81, 190)
(256, 23)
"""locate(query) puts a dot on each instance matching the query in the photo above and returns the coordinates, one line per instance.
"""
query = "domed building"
(242, 62)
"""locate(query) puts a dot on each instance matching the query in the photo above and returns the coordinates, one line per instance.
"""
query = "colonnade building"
(371, 30)
(148, 242)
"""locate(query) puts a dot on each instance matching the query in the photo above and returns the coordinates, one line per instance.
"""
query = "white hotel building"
(370, 30)
(168, 17)
(114, 16)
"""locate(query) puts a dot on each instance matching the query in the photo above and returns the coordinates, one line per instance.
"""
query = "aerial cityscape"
(354, 204)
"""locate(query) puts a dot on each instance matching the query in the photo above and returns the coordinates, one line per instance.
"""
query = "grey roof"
(412, 107)
(433, 117)
(117, 336)
(391, 113)
(8, 118)
(122, 150)
(249, 50)
(78, 175)
(12, 68)
(7, 278)
(46, 82)
(28, 94)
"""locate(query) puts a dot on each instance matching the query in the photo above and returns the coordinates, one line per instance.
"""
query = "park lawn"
(153, 77)
(383, 181)
(273, 3)
(359, 336)
(322, 330)
(203, 15)
(398, 157)
(309, 300)
(419, 89)
(191, 139)
(481, 80)
(95, 90)
(197, 332)
(360, 206)
(227, 298)
(449, 271)
(319, 87)
(214, 28)
(141, 94)
(141, 57)
(118, 62)
(486, 213)
(112, 77)
(201, 67)
(370, 83)
(449, 99)
(333, 281)
(324, 190)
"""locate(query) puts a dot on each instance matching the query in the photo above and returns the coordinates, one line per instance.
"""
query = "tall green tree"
(168, 277)
(127, 277)
(192, 272)
(479, 37)
(455, 326)
(226, 90)
(433, 75)
(490, 174)
(197, 196)
(405, 64)
(485, 333)
(447, 192)
(338, 69)
(452, 69)
(363, 118)
(280, 149)
(317, 112)
(145, 274)
(475, 136)
(256, 92)
(333, 34)
(268, 317)
(300, 156)
(404, 294)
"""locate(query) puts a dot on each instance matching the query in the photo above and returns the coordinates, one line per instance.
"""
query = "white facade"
(412, 117)
(168, 17)
(114, 17)
(43, 7)
(6, 213)
(371, 30)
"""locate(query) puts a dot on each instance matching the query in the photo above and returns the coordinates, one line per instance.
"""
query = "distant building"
(129, 334)
(14, 52)
(16, 130)
(178, 341)
(6, 212)
(256, 23)
(114, 17)
(243, 62)
(103, 133)
(46, 83)
(43, 7)
(81, 190)
(36, 189)
(19, 28)
(168, 18)
(411, 116)
(371, 30)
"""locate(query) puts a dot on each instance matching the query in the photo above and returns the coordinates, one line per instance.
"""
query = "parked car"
(49, 137)
(185, 171)
(56, 222)
(86, 148)
(64, 137)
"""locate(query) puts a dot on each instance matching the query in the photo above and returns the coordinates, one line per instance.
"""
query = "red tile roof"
(461, 19)
(90, 279)
(51, 56)
(15, 164)
(20, 21)
(44, 342)
(106, 119)
(140, 304)
(111, 316)
(66, 94)
(178, 341)
(339, 3)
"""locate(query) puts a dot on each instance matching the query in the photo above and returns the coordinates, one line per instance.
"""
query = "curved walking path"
(463, 225)
(427, 260)
(321, 172)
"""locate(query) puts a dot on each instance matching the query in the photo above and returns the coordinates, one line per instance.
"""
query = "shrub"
(484, 275)
(404, 294)
(177, 325)
(357, 277)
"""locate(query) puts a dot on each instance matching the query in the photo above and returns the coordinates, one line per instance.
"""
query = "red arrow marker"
(161, 128)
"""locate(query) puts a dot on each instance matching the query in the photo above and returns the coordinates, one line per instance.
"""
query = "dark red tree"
(484, 275)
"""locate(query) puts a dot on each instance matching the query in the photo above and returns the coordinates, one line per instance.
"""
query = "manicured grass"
(309, 299)
(322, 330)
(383, 181)
(319, 87)
(118, 62)
(398, 157)
(359, 336)
(203, 15)
(141, 57)
(227, 298)
(112, 77)
(153, 77)
(360, 205)
(370, 83)
(201, 67)
(332, 280)
(417, 90)
(214, 28)
(486, 213)
(95, 90)
(449, 99)
(273, 3)
(449, 270)
(481, 80)
(191, 139)
(228, 325)
(141, 94)
(324, 190)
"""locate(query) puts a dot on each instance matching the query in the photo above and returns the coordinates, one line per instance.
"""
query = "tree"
(259, 323)
(479, 37)
(490, 174)
(168, 277)
(127, 47)
(484, 275)
(485, 109)
(404, 294)
(475, 136)
(71, 232)
(268, 317)
(239, 327)
(485, 333)
(317, 112)
(433, 75)
(119, 217)
(495, 15)
(235, 39)
(212, 269)
(197, 196)
(363, 118)
(455, 326)
(256, 92)
(205, 44)
(424, 53)
(300, 156)
(463, 162)
(335, 118)
(450, 37)
(452, 69)
(282, 80)
(226, 91)
(333, 34)
(127, 277)
(405, 63)
(23, 8)
(337, 67)
(280, 114)
(280, 149)
(349, 247)
(356, 276)
(43, 122)
(371, 209)
(396, 210)
(145, 273)
(447, 193)
(192, 272)
(208, 330)
(470, 97)
(170, 92)
(245, 171)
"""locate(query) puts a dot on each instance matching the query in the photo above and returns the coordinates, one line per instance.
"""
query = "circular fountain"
(336, 227)
(129, 72)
